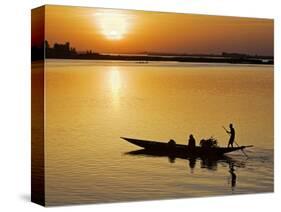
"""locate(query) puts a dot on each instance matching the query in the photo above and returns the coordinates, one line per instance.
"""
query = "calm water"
(90, 104)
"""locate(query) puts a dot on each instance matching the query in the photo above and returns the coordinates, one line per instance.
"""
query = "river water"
(91, 104)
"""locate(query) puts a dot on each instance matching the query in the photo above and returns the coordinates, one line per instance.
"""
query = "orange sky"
(128, 31)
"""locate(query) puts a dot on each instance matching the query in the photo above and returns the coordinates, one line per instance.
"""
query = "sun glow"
(114, 25)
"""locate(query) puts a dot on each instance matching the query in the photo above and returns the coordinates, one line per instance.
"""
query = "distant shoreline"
(65, 51)
(147, 59)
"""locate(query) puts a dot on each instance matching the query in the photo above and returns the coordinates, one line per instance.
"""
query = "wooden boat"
(180, 150)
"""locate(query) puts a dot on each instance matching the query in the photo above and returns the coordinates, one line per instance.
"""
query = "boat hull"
(180, 150)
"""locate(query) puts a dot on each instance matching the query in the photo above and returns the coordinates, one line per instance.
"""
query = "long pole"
(241, 150)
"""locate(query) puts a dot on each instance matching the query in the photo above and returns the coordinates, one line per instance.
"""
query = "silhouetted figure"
(191, 142)
(171, 144)
(171, 148)
(232, 175)
(232, 135)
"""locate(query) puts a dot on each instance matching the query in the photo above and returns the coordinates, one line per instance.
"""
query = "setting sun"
(113, 25)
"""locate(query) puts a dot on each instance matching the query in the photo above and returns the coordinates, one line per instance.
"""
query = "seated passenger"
(172, 143)
(191, 142)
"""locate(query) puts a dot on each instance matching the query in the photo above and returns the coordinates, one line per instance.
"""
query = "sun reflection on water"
(115, 84)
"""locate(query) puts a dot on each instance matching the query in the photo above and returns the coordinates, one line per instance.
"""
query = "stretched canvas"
(133, 105)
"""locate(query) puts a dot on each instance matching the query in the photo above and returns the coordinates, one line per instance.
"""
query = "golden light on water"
(102, 101)
(115, 84)
(114, 25)
(115, 78)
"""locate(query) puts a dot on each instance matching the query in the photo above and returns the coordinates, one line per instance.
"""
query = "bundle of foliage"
(208, 143)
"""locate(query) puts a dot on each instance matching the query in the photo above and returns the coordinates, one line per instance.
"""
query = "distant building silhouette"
(60, 50)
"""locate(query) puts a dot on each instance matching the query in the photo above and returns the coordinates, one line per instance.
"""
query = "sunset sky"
(128, 31)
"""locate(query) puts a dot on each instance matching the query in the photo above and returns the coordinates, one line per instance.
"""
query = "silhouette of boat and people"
(207, 147)
(206, 161)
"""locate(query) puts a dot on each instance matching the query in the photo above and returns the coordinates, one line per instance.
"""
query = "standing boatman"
(231, 132)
